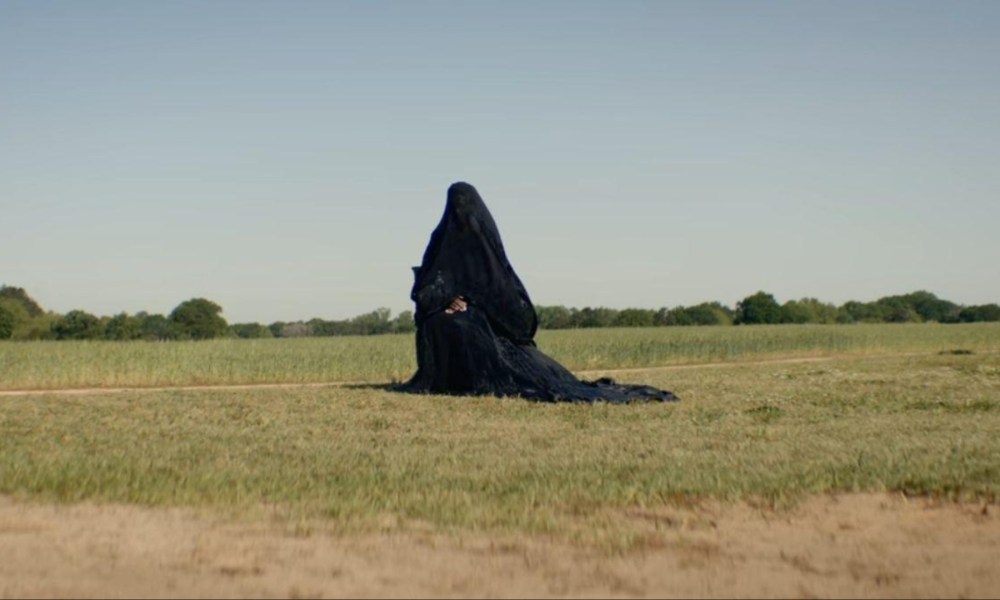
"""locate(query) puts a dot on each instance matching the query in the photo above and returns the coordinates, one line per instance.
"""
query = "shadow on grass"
(385, 387)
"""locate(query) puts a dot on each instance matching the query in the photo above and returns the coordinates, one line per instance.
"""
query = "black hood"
(465, 257)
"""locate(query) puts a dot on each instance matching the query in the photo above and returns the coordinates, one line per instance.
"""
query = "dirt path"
(164, 388)
(868, 545)
(259, 386)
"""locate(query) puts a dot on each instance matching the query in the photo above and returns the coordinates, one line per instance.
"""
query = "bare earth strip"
(870, 545)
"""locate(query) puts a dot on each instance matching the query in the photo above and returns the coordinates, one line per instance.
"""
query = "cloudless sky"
(289, 160)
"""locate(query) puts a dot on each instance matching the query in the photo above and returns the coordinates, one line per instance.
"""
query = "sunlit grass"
(47, 365)
(356, 458)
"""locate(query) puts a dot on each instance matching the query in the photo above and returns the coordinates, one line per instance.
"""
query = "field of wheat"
(799, 461)
(65, 364)
(768, 413)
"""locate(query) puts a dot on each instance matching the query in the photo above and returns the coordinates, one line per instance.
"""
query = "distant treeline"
(762, 308)
(21, 318)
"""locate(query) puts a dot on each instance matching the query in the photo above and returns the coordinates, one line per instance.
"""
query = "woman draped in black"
(476, 324)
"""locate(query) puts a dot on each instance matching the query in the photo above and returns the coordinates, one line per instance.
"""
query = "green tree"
(77, 325)
(322, 327)
(808, 310)
(37, 328)
(250, 330)
(374, 322)
(199, 319)
(706, 313)
(554, 317)
(903, 314)
(984, 312)
(634, 317)
(156, 327)
(860, 312)
(17, 312)
(679, 316)
(7, 323)
(794, 311)
(760, 308)
(21, 297)
(404, 323)
(30, 321)
(296, 329)
(930, 307)
(123, 327)
(595, 317)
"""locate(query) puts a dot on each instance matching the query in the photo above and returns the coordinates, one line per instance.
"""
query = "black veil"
(465, 258)
(489, 348)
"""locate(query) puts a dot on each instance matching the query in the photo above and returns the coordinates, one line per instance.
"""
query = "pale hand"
(457, 305)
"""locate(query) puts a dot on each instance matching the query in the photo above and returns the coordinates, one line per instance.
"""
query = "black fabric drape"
(489, 348)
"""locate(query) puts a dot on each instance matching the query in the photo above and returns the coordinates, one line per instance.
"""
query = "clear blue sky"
(289, 160)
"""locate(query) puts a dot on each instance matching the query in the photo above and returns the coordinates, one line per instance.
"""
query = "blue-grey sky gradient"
(289, 160)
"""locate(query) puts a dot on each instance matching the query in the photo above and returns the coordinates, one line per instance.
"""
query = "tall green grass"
(48, 365)
(644, 347)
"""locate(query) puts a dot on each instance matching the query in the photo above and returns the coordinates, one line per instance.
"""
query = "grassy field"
(914, 409)
(48, 365)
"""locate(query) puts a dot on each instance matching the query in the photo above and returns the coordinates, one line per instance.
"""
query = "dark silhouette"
(476, 323)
